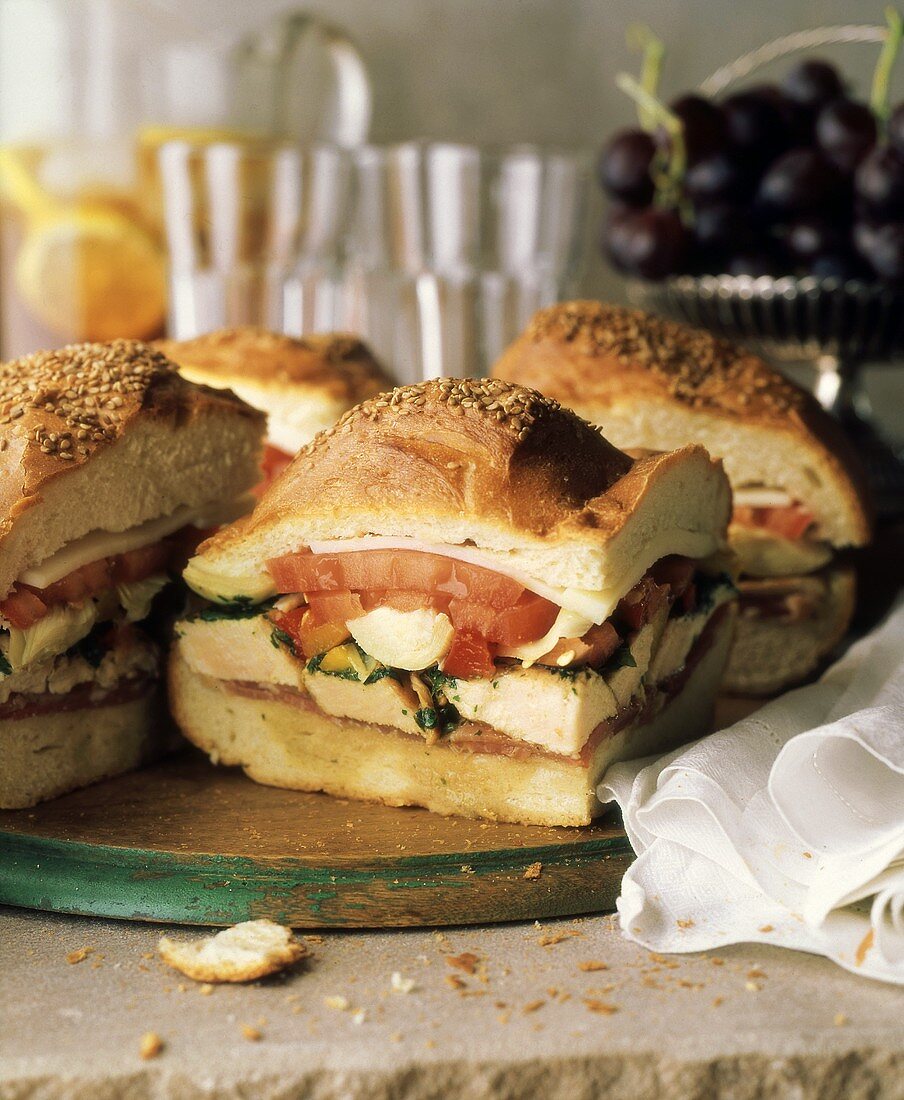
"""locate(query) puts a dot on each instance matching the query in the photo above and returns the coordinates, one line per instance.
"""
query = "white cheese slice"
(758, 496)
(102, 544)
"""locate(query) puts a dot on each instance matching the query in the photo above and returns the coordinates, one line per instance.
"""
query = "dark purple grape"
(811, 237)
(649, 243)
(755, 125)
(754, 262)
(896, 128)
(879, 182)
(705, 130)
(813, 84)
(800, 182)
(797, 121)
(883, 249)
(717, 177)
(624, 167)
(722, 226)
(846, 131)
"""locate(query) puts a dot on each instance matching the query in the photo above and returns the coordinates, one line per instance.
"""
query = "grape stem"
(640, 37)
(669, 180)
(879, 94)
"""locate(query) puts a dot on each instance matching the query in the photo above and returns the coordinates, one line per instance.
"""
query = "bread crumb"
(752, 987)
(558, 937)
(252, 1034)
(396, 1037)
(455, 982)
(314, 939)
(467, 869)
(840, 1019)
(534, 871)
(765, 928)
(206, 989)
(242, 953)
(466, 961)
(689, 923)
(756, 973)
(533, 1006)
(79, 955)
(717, 962)
(151, 1045)
(400, 984)
(337, 1002)
(602, 1007)
(717, 1001)
(359, 1016)
(590, 965)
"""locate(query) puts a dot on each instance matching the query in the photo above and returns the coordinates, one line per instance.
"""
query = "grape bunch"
(793, 178)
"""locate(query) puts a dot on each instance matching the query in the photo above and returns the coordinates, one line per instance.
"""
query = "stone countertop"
(569, 1010)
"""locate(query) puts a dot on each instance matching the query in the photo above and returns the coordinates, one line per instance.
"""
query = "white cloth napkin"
(786, 828)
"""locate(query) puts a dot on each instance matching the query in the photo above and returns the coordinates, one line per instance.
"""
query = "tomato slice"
(675, 571)
(23, 607)
(594, 649)
(400, 600)
(469, 657)
(405, 570)
(335, 607)
(792, 521)
(135, 565)
(641, 603)
(526, 621)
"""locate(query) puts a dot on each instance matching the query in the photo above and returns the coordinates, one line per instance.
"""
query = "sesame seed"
(695, 366)
(62, 385)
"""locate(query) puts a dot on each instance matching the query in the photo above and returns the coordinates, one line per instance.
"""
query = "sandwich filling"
(70, 627)
(774, 535)
(432, 644)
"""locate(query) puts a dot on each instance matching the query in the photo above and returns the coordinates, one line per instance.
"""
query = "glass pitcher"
(89, 91)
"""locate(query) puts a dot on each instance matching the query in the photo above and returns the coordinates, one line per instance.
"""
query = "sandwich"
(460, 597)
(303, 385)
(799, 491)
(112, 467)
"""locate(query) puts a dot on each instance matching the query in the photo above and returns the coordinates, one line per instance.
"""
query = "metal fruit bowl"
(836, 326)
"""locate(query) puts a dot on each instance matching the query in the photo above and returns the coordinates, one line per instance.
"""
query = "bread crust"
(602, 359)
(86, 409)
(336, 365)
(459, 459)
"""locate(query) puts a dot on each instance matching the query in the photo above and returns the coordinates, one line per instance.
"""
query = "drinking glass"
(453, 248)
(437, 254)
(255, 235)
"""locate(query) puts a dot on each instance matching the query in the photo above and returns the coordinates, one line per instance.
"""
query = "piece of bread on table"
(243, 953)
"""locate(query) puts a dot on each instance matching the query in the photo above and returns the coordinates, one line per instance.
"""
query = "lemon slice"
(92, 275)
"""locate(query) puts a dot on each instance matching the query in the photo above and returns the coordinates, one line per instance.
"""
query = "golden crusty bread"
(282, 745)
(655, 383)
(304, 385)
(500, 466)
(769, 655)
(106, 437)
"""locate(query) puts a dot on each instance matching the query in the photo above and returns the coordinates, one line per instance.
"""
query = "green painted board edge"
(464, 887)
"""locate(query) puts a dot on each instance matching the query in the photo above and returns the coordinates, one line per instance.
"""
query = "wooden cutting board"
(189, 843)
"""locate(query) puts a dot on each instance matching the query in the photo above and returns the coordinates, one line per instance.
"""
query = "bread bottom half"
(48, 754)
(770, 655)
(282, 745)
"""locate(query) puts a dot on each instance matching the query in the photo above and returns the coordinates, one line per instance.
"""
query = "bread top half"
(489, 464)
(659, 384)
(336, 366)
(106, 437)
